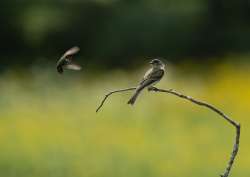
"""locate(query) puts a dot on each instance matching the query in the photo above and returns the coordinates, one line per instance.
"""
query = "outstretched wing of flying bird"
(73, 66)
(72, 51)
(66, 60)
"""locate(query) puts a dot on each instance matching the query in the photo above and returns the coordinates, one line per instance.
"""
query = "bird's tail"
(59, 69)
(134, 97)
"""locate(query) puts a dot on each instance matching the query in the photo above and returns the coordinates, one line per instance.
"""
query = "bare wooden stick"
(200, 103)
(235, 124)
(110, 93)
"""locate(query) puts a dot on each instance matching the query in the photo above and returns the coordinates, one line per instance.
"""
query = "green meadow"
(49, 128)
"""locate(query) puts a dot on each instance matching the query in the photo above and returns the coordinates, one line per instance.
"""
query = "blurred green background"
(48, 124)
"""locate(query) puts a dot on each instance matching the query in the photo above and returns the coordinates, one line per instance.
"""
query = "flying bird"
(65, 62)
(152, 76)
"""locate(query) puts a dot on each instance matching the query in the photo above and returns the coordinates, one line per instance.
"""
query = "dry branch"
(110, 93)
(235, 124)
(200, 103)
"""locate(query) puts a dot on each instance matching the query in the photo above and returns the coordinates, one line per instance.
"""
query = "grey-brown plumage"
(152, 76)
(65, 62)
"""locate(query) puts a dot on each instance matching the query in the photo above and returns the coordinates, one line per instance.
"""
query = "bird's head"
(157, 63)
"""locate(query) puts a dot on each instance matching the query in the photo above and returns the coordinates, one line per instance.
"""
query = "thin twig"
(110, 93)
(225, 117)
(200, 103)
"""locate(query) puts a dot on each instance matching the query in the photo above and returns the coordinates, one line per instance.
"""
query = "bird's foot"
(152, 89)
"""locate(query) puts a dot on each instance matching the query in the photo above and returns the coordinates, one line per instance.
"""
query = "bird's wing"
(72, 51)
(73, 66)
(151, 76)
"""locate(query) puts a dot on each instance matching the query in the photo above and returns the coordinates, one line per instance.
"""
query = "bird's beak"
(151, 62)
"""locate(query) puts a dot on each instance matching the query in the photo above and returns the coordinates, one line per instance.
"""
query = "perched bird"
(65, 62)
(152, 76)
